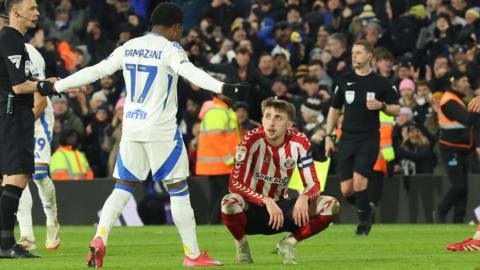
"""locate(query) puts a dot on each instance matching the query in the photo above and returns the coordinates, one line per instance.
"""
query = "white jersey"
(151, 65)
(43, 125)
(150, 109)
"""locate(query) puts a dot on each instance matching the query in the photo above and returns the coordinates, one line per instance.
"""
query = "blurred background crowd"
(292, 49)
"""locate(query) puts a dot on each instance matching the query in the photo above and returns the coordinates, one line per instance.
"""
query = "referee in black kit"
(363, 94)
(16, 119)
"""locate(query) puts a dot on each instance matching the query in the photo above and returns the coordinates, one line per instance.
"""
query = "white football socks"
(112, 209)
(46, 192)
(24, 215)
(476, 236)
(184, 220)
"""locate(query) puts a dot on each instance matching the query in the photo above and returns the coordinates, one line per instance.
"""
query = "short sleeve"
(176, 56)
(391, 94)
(338, 97)
(15, 56)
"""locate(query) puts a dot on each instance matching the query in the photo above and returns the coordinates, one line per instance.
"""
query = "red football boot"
(469, 244)
(96, 252)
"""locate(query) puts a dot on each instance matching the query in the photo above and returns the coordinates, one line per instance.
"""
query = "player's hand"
(329, 147)
(374, 105)
(276, 214)
(236, 91)
(474, 105)
(45, 88)
(300, 211)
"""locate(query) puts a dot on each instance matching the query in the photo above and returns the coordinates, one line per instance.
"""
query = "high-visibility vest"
(218, 139)
(69, 164)
(453, 133)
(386, 152)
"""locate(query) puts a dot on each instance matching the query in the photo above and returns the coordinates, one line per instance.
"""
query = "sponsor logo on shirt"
(144, 53)
(271, 179)
(136, 114)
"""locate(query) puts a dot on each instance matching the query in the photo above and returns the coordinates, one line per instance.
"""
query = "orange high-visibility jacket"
(386, 152)
(218, 139)
(69, 164)
(453, 133)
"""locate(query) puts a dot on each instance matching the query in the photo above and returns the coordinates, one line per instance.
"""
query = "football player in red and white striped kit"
(258, 202)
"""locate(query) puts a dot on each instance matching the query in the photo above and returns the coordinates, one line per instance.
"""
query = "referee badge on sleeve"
(349, 96)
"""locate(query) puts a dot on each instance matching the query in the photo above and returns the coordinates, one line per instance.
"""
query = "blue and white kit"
(150, 140)
(44, 124)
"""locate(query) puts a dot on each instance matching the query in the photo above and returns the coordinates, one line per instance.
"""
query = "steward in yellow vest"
(68, 163)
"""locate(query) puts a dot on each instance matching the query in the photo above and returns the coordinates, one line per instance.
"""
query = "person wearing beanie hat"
(312, 116)
(407, 94)
(419, 11)
(456, 143)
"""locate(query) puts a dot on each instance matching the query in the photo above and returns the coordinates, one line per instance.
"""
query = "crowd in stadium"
(291, 49)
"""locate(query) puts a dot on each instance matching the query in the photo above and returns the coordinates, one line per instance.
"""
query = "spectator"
(64, 27)
(414, 152)
(113, 134)
(69, 163)
(337, 59)
(407, 94)
(245, 123)
(66, 119)
(96, 131)
(99, 46)
(317, 69)
(266, 67)
(384, 60)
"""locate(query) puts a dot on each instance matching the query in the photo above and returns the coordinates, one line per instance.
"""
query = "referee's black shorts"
(357, 153)
(258, 217)
(17, 141)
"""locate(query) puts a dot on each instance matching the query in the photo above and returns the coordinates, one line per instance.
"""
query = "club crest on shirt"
(267, 159)
(349, 96)
(289, 163)
(241, 153)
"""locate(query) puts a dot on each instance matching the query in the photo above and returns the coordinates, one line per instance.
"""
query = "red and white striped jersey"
(263, 170)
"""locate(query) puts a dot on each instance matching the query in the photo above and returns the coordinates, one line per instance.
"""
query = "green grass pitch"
(402, 247)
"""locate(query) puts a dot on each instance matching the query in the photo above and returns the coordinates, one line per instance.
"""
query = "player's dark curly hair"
(167, 14)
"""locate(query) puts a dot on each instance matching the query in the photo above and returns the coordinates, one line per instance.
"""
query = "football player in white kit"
(151, 140)
(43, 111)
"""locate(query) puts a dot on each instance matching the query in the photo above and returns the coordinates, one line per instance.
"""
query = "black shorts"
(357, 153)
(17, 141)
(258, 217)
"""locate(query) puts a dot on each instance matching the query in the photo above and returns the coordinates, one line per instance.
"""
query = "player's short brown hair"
(10, 3)
(279, 105)
(368, 47)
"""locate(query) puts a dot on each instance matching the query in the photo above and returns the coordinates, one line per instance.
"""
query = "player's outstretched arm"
(108, 66)
(177, 60)
(236, 91)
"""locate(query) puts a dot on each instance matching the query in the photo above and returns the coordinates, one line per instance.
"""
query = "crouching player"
(258, 203)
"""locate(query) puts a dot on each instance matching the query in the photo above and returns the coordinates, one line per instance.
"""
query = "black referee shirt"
(14, 56)
(352, 92)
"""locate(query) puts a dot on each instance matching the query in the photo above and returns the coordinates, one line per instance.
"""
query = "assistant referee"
(16, 119)
(363, 94)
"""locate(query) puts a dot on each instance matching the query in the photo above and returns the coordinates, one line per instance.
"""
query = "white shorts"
(167, 161)
(43, 140)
